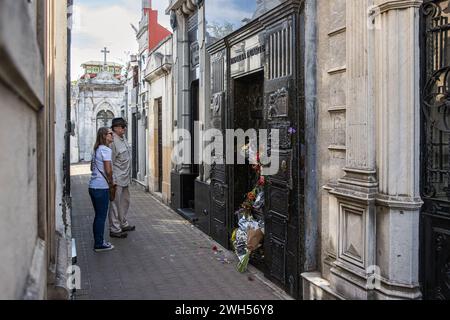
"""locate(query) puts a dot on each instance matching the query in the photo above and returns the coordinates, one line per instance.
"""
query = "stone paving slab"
(166, 258)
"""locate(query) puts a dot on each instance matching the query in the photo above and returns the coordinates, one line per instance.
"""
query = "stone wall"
(18, 171)
(34, 210)
(332, 107)
(368, 84)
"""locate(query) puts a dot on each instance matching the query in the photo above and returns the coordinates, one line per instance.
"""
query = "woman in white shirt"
(101, 167)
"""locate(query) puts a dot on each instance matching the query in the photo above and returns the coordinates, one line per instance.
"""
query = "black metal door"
(283, 109)
(435, 185)
(219, 183)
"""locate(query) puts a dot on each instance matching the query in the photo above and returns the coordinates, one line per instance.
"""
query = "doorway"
(195, 104)
(248, 114)
(104, 119)
(183, 185)
(190, 179)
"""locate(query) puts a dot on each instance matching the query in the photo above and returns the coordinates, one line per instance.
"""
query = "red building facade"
(156, 32)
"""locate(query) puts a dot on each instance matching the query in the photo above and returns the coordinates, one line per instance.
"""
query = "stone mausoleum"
(96, 99)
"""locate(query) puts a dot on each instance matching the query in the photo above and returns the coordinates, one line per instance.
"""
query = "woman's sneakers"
(105, 247)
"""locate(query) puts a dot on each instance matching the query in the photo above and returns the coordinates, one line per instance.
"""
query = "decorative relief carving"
(278, 104)
(173, 20)
(217, 102)
(195, 55)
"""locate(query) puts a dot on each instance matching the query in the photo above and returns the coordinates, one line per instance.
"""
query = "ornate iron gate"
(435, 188)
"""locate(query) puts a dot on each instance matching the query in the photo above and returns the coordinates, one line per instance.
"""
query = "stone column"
(311, 132)
(398, 140)
(181, 79)
(360, 161)
(356, 191)
(184, 106)
(82, 125)
(205, 87)
(175, 93)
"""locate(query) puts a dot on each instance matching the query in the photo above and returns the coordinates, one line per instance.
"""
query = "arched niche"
(104, 119)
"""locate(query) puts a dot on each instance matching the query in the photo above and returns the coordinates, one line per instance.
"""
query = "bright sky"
(106, 23)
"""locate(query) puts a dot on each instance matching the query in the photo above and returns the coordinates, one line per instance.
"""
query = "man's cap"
(119, 122)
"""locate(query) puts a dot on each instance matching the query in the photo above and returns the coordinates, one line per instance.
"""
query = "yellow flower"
(233, 236)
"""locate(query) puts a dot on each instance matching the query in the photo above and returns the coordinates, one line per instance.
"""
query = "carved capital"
(388, 5)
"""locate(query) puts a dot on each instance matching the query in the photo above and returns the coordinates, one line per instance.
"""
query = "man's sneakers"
(105, 247)
(119, 235)
(129, 228)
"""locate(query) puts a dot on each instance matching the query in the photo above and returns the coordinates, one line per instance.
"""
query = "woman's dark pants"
(100, 200)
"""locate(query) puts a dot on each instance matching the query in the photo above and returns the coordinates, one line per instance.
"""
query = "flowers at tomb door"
(262, 181)
(292, 131)
(259, 201)
(251, 196)
(257, 168)
(249, 235)
(243, 262)
(247, 238)
(250, 203)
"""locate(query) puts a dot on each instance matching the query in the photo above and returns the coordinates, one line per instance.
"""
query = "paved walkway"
(166, 258)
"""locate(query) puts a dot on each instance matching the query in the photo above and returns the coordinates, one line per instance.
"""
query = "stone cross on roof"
(105, 51)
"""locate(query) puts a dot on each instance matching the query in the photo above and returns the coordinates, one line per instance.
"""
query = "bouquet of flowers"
(242, 239)
(248, 236)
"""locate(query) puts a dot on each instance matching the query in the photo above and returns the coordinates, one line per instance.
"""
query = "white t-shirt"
(97, 180)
